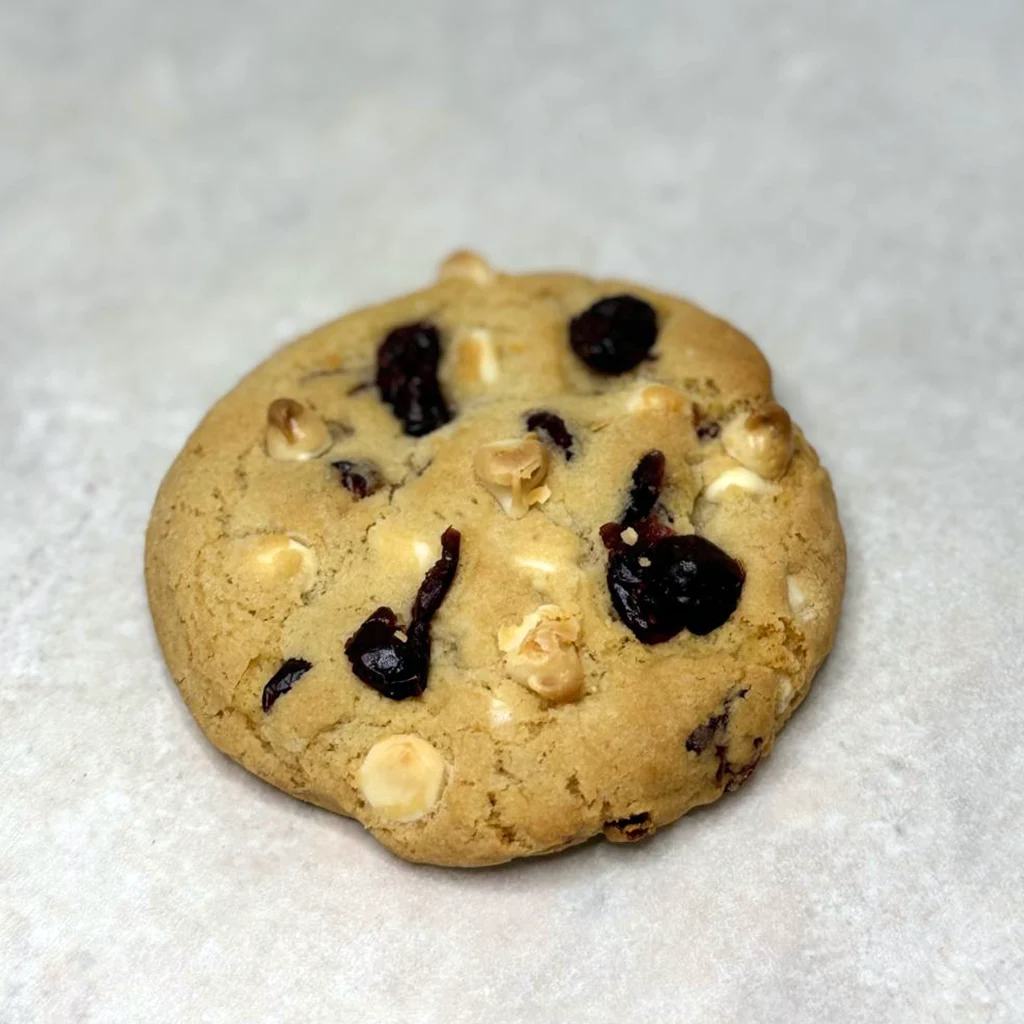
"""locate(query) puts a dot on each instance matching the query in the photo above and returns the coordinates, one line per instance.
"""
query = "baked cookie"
(500, 565)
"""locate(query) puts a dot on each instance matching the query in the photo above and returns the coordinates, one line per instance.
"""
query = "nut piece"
(541, 653)
(467, 266)
(659, 399)
(402, 777)
(761, 440)
(295, 432)
(513, 472)
(277, 558)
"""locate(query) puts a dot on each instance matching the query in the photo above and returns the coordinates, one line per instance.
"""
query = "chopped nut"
(541, 653)
(657, 398)
(402, 777)
(513, 471)
(295, 432)
(277, 557)
(466, 266)
(761, 440)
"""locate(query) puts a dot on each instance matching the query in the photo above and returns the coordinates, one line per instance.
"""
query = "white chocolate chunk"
(277, 558)
(761, 440)
(541, 653)
(476, 357)
(539, 564)
(657, 398)
(629, 536)
(799, 603)
(739, 477)
(784, 695)
(425, 553)
(500, 713)
(402, 777)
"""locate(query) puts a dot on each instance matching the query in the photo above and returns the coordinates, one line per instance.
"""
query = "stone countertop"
(184, 186)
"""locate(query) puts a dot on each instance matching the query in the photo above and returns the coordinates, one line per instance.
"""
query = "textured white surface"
(184, 185)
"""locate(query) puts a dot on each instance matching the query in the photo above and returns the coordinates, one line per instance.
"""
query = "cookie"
(499, 566)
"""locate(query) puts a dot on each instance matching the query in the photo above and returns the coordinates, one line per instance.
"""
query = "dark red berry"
(708, 430)
(551, 427)
(394, 667)
(614, 334)
(395, 660)
(439, 578)
(648, 479)
(698, 580)
(360, 478)
(407, 377)
(283, 680)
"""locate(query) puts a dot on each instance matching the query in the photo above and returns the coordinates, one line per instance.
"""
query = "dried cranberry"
(283, 680)
(698, 579)
(614, 334)
(648, 478)
(395, 667)
(439, 578)
(407, 377)
(360, 478)
(551, 426)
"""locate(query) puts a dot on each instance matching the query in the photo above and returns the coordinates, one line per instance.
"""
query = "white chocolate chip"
(541, 653)
(466, 266)
(540, 564)
(738, 477)
(798, 601)
(784, 695)
(476, 358)
(402, 777)
(276, 557)
(761, 440)
(629, 536)
(295, 432)
(512, 471)
(425, 553)
(500, 713)
(659, 399)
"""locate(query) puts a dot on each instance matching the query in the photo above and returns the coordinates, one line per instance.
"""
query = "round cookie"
(500, 565)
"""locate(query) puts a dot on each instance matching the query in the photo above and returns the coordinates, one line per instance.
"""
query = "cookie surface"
(499, 565)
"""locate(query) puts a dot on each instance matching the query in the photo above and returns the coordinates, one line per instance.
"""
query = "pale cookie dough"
(499, 565)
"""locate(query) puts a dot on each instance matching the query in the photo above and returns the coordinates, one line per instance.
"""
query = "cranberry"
(407, 377)
(283, 680)
(360, 478)
(698, 579)
(614, 334)
(395, 667)
(648, 478)
(553, 428)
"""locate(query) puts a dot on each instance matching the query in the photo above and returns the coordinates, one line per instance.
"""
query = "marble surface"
(184, 186)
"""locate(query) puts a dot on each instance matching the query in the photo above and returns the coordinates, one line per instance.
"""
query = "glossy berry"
(407, 378)
(552, 428)
(283, 680)
(614, 334)
(648, 479)
(395, 660)
(699, 578)
(361, 479)
(393, 666)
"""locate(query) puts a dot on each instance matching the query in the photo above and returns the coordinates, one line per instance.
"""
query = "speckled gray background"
(185, 185)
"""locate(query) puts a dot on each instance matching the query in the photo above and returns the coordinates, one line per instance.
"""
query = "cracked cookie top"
(499, 565)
